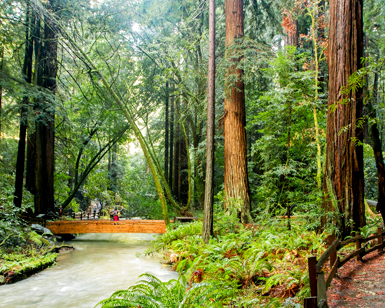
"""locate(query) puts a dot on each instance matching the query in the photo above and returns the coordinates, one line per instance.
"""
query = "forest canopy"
(106, 101)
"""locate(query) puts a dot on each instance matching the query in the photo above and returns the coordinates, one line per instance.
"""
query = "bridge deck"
(106, 226)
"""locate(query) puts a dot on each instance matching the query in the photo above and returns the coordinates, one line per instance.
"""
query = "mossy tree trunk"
(344, 175)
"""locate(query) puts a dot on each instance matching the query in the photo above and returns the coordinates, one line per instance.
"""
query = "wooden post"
(358, 246)
(310, 302)
(333, 256)
(81, 215)
(321, 287)
(312, 261)
(380, 239)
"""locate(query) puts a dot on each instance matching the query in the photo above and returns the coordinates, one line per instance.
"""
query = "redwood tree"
(236, 180)
(344, 176)
(27, 74)
(45, 124)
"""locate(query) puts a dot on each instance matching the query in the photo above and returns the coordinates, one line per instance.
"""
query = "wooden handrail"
(318, 284)
(325, 256)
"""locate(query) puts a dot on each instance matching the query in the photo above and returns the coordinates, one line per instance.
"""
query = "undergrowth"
(261, 265)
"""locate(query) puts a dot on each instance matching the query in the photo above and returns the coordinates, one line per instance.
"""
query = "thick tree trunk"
(344, 176)
(45, 128)
(236, 178)
(207, 230)
(27, 72)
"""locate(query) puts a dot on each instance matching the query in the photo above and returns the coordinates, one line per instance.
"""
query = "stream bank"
(99, 265)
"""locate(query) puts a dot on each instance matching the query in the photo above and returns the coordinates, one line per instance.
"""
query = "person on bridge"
(70, 212)
(115, 213)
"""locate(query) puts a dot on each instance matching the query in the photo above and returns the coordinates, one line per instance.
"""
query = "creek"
(99, 265)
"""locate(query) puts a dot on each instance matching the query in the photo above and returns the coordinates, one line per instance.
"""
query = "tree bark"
(45, 127)
(207, 230)
(27, 74)
(344, 176)
(374, 134)
(175, 178)
(172, 125)
(236, 178)
(30, 181)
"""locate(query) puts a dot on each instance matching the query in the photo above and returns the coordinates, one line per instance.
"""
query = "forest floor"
(359, 284)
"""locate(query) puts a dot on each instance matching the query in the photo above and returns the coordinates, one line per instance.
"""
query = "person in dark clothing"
(70, 212)
(60, 211)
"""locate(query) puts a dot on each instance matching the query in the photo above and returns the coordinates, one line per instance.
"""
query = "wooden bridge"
(106, 226)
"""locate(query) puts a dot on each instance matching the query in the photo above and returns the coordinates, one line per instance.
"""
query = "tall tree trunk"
(114, 169)
(344, 176)
(207, 230)
(30, 181)
(177, 136)
(314, 14)
(236, 178)
(377, 148)
(166, 131)
(27, 74)
(171, 153)
(184, 166)
(45, 128)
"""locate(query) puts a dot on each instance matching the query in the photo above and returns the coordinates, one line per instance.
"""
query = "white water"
(100, 265)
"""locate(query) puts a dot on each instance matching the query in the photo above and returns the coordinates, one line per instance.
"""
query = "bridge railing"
(318, 283)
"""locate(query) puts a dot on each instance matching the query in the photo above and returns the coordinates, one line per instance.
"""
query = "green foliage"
(150, 292)
(248, 262)
(286, 150)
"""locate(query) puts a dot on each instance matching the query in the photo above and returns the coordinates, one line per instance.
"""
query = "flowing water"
(100, 265)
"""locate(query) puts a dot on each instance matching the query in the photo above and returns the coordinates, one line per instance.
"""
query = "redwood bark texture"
(344, 176)
(45, 126)
(236, 179)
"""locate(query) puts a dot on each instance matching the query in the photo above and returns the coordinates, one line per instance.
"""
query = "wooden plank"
(312, 275)
(332, 273)
(99, 226)
(332, 248)
(350, 240)
(310, 302)
(321, 288)
(373, 249)
(351, 255)
(364, 240)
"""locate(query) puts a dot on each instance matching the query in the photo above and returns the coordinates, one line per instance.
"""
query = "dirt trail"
(359, 284)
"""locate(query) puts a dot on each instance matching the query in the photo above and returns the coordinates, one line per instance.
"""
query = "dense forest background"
(109, 97)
